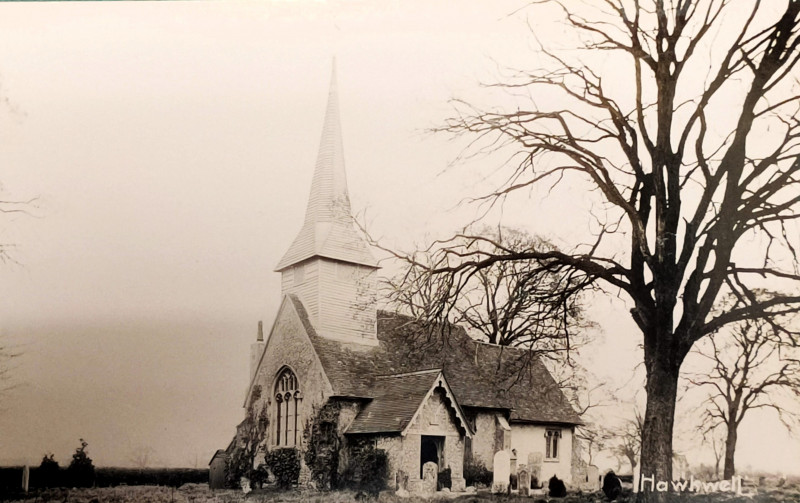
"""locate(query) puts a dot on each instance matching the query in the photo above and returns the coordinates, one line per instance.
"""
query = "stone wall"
(483, 441)
(393, 445)
(288, 345)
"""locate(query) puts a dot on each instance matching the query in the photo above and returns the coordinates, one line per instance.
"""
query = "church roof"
(480, 375)
(397, 400)
(328, 229)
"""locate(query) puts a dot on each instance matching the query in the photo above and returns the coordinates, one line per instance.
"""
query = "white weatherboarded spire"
(328, 227)
(329, 266)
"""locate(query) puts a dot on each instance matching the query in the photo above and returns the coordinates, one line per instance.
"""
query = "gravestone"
(26, 478)
(430, 476)
(523, 480)
(612, 487)
(513, 461)
(502, 472)
(592, 478)
(535, 466)
(401, 480)
(245, 483)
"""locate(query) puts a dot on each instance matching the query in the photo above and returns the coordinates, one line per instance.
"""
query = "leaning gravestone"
(502, 472)
(524, 480)
(612, 487)
(535, 465)
(430, 476)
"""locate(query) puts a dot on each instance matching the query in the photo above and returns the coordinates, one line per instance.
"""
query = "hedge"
(11, 477)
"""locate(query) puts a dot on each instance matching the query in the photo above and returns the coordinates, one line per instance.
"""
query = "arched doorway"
(431, 449)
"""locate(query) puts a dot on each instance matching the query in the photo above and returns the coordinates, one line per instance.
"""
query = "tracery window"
(551, 437)
(287, 408)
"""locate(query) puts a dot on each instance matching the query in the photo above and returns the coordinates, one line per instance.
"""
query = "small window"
(551, 448)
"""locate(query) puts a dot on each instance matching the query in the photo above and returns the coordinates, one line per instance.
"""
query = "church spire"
(328, 226)
(329, 199)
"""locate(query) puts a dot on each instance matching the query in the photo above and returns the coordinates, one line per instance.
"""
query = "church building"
(449, 402)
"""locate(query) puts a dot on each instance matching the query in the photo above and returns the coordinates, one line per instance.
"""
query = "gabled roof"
(328, 229)
(398, 400)
(481, 375)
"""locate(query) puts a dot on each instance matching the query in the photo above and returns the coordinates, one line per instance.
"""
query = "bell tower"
(329, 266)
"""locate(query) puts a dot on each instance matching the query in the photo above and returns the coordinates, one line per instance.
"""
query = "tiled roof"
(328, 229)
(480, 375)
(396, 399)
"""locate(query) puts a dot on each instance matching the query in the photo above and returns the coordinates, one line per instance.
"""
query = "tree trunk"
(656, 452)
(730, 450)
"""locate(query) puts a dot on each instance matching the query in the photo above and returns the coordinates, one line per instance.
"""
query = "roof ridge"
(406, 374)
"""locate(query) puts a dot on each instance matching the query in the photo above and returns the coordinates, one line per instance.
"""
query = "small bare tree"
(628, 439)
(752, 368)
(141, 457)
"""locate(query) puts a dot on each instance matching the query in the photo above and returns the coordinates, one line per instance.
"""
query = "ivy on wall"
(249, 442)
(322, 440)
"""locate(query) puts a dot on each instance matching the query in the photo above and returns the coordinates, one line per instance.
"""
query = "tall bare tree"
(753, 368)
(690, 139)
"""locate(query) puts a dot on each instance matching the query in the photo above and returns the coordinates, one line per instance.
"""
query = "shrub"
(612, 487)
(476, 473)
(556, 487)
(368, 469)
(80, 472)
(48, 473)
(444, 479)
(285, 465)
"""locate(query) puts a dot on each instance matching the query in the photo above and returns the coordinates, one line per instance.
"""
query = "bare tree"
(141, 457)
(628, 440)
(697, 155)
(712, 437)
(752, 369)
(510, 303)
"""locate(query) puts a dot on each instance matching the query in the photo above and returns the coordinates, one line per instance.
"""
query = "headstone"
(513, 461)
(612, 487)
(401, 480)
(245, 483)
(430, 476)
(592, 478)
(26, 478)
(523, 480)
(502, 472)
(535, 465)
(458, 484)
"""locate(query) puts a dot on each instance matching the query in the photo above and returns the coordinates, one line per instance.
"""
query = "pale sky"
(171, 146)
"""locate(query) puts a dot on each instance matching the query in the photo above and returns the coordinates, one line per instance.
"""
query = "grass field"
(200, 493)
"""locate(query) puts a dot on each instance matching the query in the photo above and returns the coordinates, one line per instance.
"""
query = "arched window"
(287, 408)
